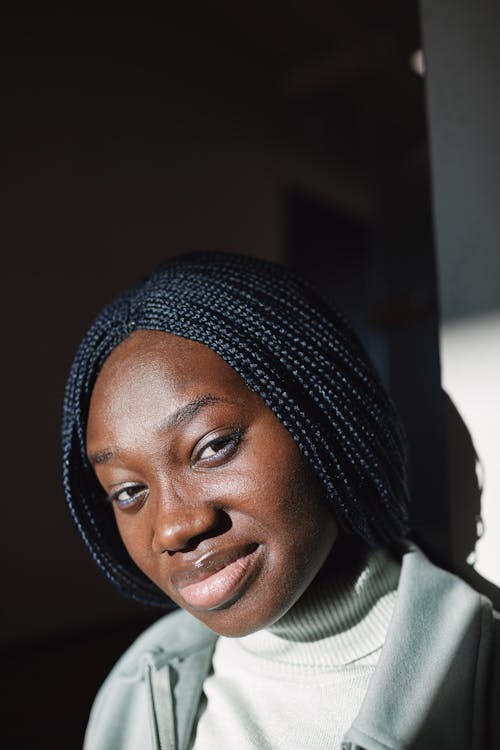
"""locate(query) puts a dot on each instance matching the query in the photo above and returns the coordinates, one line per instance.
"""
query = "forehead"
(153, 367)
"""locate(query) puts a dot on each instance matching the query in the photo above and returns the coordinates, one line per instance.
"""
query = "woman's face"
(212, 498)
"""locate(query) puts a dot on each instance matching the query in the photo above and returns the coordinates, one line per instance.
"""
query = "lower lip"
(221, 587)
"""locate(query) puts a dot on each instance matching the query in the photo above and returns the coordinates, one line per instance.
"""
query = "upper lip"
(209, 563)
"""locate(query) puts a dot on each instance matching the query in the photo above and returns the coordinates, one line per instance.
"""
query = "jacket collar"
(428, 687)
(176, 682)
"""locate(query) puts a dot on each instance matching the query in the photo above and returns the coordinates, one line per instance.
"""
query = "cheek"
(303, 523)
(137, 540)
(300, 495)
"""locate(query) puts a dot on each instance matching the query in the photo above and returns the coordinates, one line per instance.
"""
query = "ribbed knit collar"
(339, 620)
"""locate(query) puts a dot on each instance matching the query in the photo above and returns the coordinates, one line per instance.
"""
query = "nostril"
(189, 529)
(223, 526)
(190, 545)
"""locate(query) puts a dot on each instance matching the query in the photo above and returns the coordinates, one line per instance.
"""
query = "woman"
(229, 449)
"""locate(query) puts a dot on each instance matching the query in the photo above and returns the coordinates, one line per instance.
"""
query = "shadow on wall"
(465, 500)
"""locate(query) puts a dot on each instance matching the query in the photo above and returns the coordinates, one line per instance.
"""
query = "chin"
(234, 621)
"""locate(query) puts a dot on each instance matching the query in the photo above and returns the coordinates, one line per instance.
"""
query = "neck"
(348, 607)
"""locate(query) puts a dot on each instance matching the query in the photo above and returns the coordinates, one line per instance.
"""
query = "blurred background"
(355, 141)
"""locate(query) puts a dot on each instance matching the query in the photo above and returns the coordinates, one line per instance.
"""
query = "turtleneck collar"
(341, 618)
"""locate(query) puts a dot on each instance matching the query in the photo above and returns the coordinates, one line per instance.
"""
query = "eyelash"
(123, 504)
(223, 447)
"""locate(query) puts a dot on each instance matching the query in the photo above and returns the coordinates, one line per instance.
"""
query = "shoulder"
(440, 609)
(121, 715)
(458, 627)
(174, 635)
(434, 666)
(438, 588)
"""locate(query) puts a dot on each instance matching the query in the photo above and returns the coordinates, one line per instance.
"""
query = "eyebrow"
(179, 417)
(189, 410)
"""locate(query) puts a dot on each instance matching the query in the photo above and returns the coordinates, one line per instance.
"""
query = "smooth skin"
(212, 498)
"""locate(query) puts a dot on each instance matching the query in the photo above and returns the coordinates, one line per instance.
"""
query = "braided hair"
(292, 349)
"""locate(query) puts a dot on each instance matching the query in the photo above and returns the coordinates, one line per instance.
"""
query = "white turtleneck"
(301, 682)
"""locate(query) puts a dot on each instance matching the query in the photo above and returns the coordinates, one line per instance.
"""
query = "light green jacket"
(435, 687)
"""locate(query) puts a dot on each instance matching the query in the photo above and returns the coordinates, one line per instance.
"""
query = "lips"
(215, 579)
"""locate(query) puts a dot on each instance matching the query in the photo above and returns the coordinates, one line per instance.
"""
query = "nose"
(180, 527)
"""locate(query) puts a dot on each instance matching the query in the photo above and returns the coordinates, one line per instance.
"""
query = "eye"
(218, 449)
(130, 496)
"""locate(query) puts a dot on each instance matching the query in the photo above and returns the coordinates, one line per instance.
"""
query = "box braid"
(292, 349)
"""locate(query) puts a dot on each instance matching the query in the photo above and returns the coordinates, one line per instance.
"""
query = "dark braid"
(292, 349)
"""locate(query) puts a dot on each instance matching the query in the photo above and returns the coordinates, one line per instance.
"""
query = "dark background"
(292, 131)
